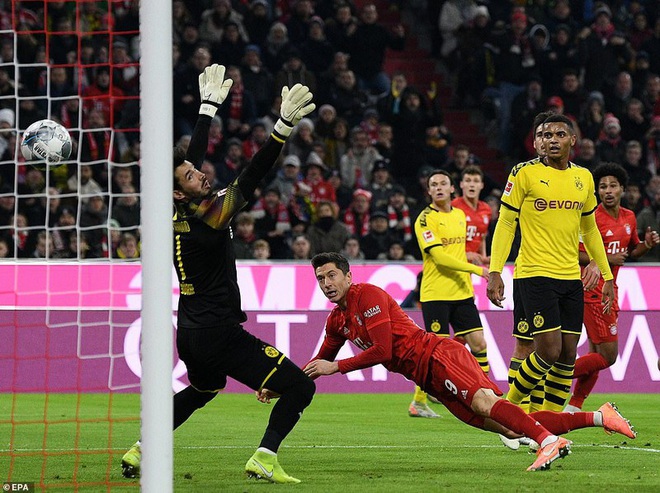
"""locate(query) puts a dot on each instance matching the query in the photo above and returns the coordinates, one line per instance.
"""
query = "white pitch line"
(331, 447)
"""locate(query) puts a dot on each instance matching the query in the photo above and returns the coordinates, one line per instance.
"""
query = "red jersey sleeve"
(372, 308)
(634, 237)
(333, 340)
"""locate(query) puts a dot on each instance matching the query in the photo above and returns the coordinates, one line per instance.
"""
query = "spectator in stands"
(4, 248)
(586, 156)
(341, 26)
(384, 142)
(128, 248)
(617, 98)
(233, 163)
(525, 106)
(400, 217)
(356, 217)
(84, 185)
(258, 137)
(652, 141)
(63, 42)
(44, 247)
(299, 20)
(381, 184)
(181, 16)
(102, 97)
(337, 145)
(379, 237)
(593, 116)
(326, 234)
(371, 124)
(610, 147)
(272, 222)
(632, 198)
(327, 115)
(352, 249)
(345, 96)
(640, 72)
(239, 111)
(571, 93)
(367, 49)
(215, 150)
(437, 142)
(261, 250)
(60, 87)
(343, 194)
(302, 140)
(604, 52)
(634, 123)
(652, 47)
(214, 22)
(189, 42)
(231, 47)
(28, 203)
(122, 176)
(396, 253)
(454, 16)
(357, 163)
(244, 236)
(651, 94)
(65, 225)
(301, 248)
(287, 178)
(125, 73)
(317, 53)
(186, 90)
(7, 204)
(649, 217)
(277, 47)
(257, 80)
(257, 21)
(314, 171)
(93, 220)
(328, 77)
(126, 207)
(637, 170)
(561, 55)
(29, 111)
(639, 31)
(515, 65)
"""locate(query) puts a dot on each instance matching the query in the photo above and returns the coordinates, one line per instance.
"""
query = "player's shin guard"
(530, 372)
(482, 359)
(557, 386)
(514, 364)
(187, 402)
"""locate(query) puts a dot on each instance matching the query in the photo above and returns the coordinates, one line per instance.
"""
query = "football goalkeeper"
(210, 339)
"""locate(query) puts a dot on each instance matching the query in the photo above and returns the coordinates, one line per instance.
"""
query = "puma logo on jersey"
(546, 182)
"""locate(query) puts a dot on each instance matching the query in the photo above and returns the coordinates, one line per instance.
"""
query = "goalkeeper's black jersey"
(205, 263)
(204, 257)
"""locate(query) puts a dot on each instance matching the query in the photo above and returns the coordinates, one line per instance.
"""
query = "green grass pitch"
(343, 443)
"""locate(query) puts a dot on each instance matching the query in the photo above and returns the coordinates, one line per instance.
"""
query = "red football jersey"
(619, 235)
(404, 348)
(476, 221)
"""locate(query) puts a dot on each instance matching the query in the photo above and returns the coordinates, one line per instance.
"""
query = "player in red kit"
(618, 228)
(373, 321)
(477, 214)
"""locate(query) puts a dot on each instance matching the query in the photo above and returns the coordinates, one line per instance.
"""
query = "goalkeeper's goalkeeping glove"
(296, 104)
(213, 89)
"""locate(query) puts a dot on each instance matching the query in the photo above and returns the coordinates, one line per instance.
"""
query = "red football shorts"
(601, 327)
(454, 377)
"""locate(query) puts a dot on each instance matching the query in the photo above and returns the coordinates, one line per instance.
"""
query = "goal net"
(70, 280)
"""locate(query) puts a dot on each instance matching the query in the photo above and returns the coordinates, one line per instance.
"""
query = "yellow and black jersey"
(550, 204)
(204, 260)
(446, 230)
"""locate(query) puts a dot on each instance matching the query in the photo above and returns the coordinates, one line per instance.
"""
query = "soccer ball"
(46, 142)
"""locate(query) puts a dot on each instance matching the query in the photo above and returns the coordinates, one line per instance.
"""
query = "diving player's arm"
(379, 352)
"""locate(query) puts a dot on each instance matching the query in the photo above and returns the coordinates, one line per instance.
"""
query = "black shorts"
(521, 329)
(551, 304)
(462, 315)
(211, 355)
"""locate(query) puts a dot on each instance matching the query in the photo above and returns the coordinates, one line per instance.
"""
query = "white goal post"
(156, 130)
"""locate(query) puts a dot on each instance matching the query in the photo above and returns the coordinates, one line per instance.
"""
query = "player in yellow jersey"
(553, 200)
(447, 294)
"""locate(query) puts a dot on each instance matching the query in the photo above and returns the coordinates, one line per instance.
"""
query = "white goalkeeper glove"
(296, 104)
(213, 89)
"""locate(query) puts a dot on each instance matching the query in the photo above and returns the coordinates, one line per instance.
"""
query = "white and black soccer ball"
(46, 142)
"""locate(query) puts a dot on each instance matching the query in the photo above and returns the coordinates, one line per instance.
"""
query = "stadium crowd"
(353, 177)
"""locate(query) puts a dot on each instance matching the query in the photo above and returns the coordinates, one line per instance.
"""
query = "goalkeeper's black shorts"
(212, 355)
